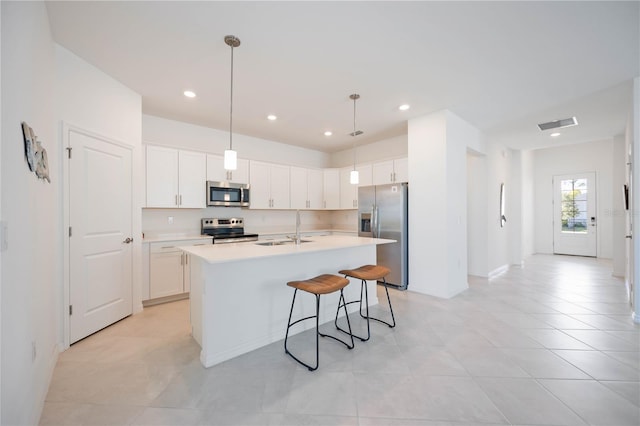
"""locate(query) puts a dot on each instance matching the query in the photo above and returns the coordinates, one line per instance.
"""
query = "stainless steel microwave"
(227, 194)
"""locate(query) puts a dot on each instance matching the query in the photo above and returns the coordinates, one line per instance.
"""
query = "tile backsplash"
(187, 221)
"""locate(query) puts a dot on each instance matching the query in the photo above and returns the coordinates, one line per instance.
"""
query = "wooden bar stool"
(322, 284)
(367, 273)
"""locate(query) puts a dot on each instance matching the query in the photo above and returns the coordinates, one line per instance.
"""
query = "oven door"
(227, 194)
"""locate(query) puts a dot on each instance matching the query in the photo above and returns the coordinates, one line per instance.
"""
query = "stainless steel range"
(226, 230)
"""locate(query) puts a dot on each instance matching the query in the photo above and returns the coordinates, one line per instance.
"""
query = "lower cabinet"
(169, 269)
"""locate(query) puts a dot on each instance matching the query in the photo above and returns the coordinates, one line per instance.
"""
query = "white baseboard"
(498, 271)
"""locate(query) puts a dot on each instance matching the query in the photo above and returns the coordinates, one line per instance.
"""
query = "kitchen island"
(239, 297)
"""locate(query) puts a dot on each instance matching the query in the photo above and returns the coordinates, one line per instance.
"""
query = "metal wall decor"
(35, 153)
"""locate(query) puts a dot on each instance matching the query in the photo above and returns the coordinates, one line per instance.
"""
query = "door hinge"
(70, 231)
(69, 151)
(70, 309)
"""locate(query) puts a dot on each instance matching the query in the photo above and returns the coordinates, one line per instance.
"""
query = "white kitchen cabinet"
(306, 188)
(391, 171)
(331, 184)
(217, 173)
(349, 192)
(169, 269)
(175, 178)
(269, 185)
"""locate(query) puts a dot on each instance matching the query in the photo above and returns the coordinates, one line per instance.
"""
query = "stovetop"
(226, 230)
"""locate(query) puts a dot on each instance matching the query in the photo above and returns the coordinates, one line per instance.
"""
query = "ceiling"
(501, 66)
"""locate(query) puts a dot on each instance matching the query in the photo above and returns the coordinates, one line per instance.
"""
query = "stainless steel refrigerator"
(383, 213)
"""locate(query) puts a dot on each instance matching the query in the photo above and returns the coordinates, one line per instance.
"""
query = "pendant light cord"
(231, 106)
(355, 97)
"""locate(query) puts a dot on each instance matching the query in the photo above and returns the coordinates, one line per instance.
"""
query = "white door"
(100, 210)
(575, 221)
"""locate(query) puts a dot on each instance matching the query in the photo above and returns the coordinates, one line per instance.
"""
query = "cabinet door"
(298, 188)
(348, 192)
(280, 187)
(383, 172)
(401, 170)
(165, 274)
(162, 177)
(315, 185)
(215, 168)
(260, 192)
(241, 174)
(331, 189)
(364, 175)
(192, 179)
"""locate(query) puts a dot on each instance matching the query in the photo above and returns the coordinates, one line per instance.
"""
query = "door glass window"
(574, 206)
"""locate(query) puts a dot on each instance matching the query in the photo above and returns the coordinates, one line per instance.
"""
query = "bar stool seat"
(367, 273)
(322, 284)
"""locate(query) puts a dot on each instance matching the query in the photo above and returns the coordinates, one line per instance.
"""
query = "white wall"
(31, 275)
(586, 157)
(619, 168)
(437, 152)
(91, 100)
(477, 256)
(527, 194)
(160, 131)
(382, 150)
(636, 195)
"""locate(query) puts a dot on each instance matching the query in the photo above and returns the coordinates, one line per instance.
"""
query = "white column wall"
(437, 147)
(31, 276)
(514, 209)
(498, 172)
(527, 193)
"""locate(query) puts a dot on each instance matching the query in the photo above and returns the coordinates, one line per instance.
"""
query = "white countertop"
(222, 253)
(156, 238)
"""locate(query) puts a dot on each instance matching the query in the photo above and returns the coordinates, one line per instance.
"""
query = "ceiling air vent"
(556, 124)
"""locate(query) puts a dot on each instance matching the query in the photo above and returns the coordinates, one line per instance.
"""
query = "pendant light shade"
(354, 177)
(230, 156)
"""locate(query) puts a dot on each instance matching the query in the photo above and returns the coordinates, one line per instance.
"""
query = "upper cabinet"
(269, 186)
(391, 171)
(331, 186)
(217, 173)
(306, 188)
(175, 178)
(348, 191)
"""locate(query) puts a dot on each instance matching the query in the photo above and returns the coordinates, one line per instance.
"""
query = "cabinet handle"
(391, 176)
(167, 247)
(180, 200)
(186, 258)
(394, 176)
(176, 199)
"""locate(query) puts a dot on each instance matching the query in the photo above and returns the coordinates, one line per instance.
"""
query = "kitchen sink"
(279, 243)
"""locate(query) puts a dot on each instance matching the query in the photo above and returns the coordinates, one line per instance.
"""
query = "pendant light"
(354, 177)
(231, 156)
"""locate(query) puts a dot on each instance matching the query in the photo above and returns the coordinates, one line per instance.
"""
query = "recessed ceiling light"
(271, 117)
(189, 94)
(404, 107)
(555, 135)
(328, 133)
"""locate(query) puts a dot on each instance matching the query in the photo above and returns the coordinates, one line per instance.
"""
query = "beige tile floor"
(548, 344)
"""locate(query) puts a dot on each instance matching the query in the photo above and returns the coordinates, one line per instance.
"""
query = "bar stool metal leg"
(317, 317)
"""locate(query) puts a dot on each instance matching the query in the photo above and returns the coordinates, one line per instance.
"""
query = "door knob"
(128, 240)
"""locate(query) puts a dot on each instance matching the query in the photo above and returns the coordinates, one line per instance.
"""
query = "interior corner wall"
(636, 196)
(527, 193)
(569, 159)
(177, 134)
(477, 256)
(31, 273)
(499, 160)
(619, 168)
(380, 150)
(91, 100)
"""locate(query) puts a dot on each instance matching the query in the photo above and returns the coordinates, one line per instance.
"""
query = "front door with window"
(574, 210)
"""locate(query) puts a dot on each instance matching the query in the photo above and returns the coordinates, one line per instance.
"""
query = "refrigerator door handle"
(374, 215)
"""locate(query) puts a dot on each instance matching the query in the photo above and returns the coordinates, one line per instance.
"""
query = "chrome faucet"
(296, 238)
